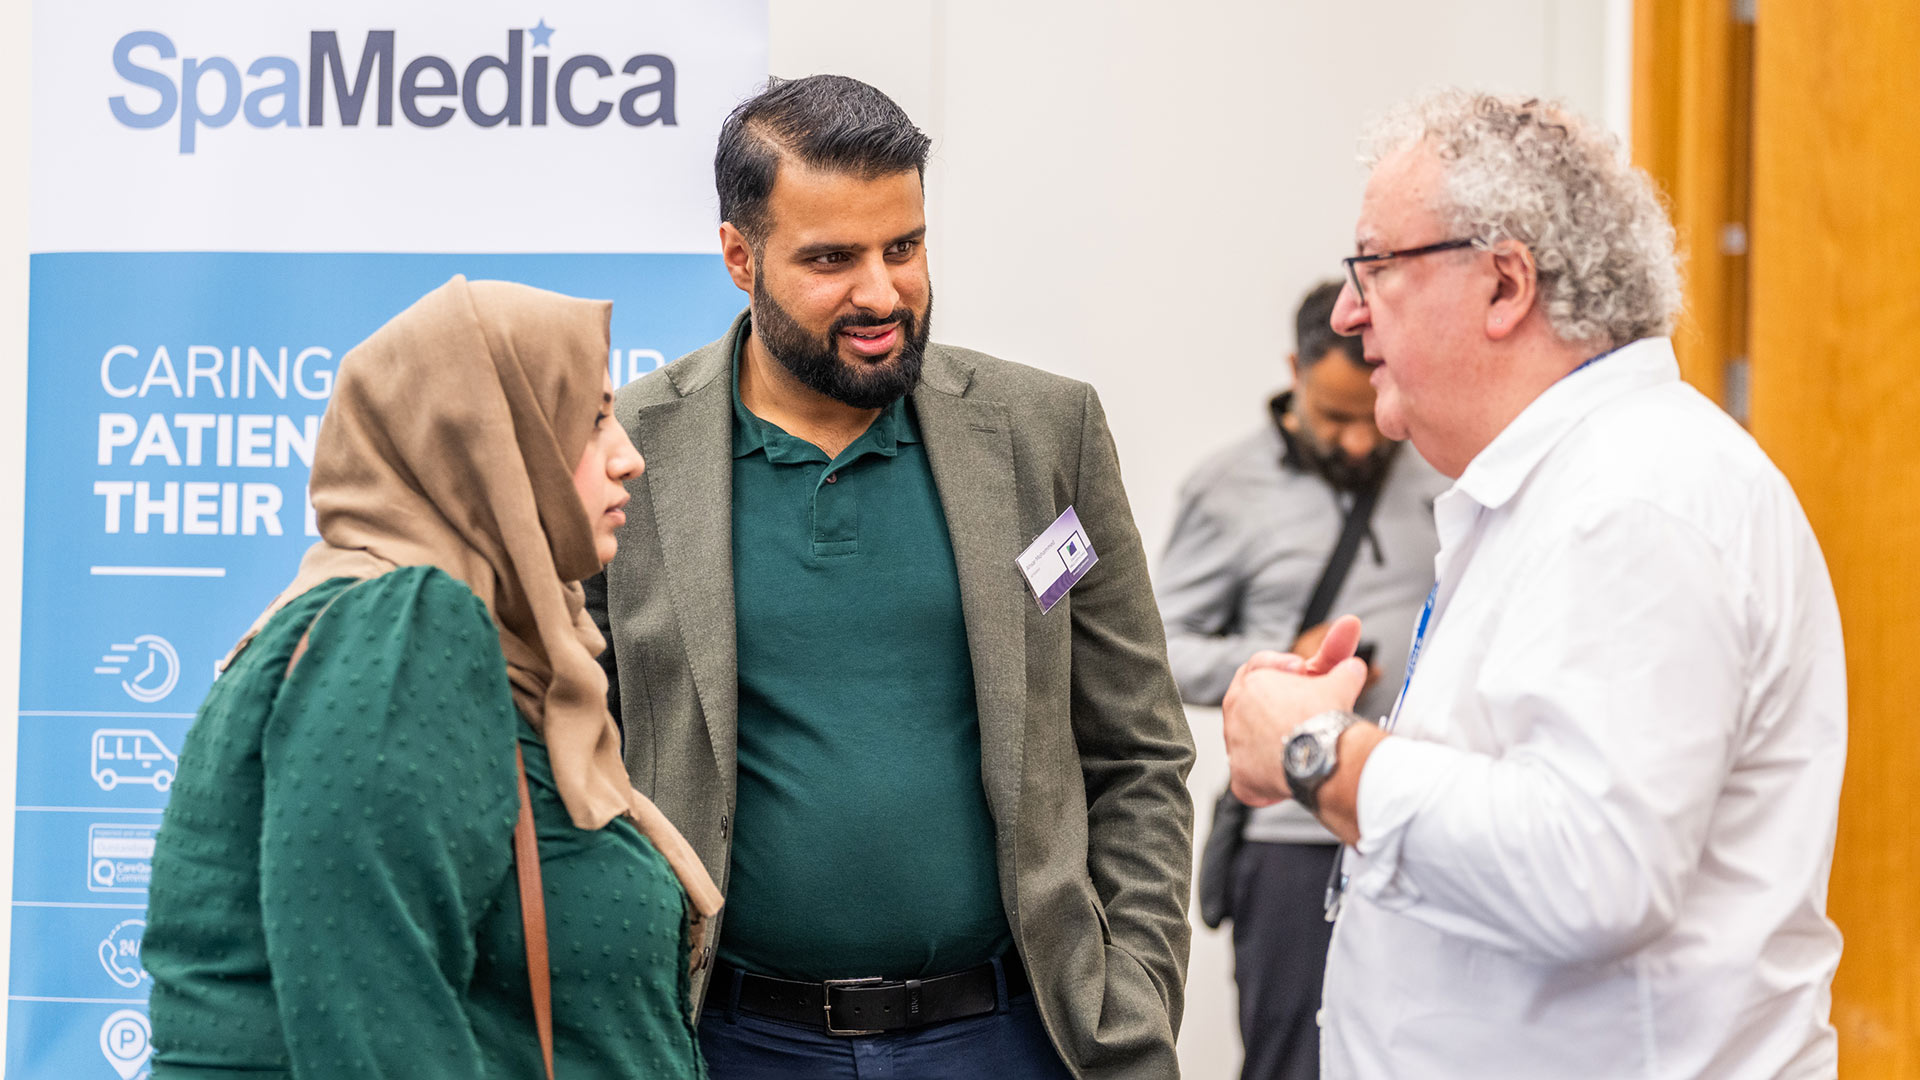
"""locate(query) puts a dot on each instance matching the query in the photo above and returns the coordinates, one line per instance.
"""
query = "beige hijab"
(450, 441)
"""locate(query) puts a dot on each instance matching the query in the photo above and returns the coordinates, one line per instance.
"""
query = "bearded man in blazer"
(945, 818)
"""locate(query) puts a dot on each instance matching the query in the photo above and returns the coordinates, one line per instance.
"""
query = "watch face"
(1304, 755)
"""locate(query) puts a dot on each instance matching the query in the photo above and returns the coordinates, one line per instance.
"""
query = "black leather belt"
(871, 1006)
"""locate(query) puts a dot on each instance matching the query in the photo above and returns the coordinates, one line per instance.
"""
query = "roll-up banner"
(227, 196)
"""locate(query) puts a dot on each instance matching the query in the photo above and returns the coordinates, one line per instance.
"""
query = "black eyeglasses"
(1352, 262)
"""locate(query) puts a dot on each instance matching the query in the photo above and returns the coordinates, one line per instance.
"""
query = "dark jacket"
(1084, 744)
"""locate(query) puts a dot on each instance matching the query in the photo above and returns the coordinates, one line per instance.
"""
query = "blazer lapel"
(689, 453)
(970, 448)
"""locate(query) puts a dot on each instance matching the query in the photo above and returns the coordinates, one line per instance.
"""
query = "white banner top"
(218, 128)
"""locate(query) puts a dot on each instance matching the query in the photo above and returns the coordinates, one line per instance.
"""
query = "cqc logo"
(428, 91)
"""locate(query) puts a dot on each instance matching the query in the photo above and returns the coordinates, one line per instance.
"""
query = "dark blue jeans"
(1007, 1044)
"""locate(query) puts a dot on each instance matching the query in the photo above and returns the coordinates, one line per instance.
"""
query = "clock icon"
(149, 666)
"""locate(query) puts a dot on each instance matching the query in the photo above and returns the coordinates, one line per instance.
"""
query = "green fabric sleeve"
(390, 795)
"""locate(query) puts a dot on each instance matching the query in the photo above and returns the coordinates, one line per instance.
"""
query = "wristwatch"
(1312, 754)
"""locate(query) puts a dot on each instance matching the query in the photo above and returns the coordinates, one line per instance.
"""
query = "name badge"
(1058, 560)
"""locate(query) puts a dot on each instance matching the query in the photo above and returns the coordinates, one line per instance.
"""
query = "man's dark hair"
(825, 122)
(1313, 334)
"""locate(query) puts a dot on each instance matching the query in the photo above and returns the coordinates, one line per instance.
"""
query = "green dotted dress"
(334, 894)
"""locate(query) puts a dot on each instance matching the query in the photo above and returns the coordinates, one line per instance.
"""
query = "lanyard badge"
(1057, 561)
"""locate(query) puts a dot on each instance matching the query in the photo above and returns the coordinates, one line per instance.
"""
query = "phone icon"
(120, 953)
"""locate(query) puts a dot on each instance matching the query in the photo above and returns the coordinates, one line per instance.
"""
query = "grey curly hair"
(1532, 171)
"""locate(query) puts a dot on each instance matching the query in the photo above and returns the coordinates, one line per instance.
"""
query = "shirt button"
(832, 477)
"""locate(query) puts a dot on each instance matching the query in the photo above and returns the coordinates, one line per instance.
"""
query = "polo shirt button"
(832, 477)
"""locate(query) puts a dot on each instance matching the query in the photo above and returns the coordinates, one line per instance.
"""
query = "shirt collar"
(1277, 407)
(894, 425)
(1497, 472)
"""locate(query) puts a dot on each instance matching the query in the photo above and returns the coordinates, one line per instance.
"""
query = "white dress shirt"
(1251, 537)
(1598, 844)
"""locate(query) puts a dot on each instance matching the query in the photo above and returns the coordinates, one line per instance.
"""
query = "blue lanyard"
(1426, 612)
(1590, 361)
(1413, 655)
(1337, 882)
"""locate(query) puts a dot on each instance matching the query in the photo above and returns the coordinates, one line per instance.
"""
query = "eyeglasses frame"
(1352, 262)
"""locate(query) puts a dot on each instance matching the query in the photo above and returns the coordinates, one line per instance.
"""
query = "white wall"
(1127, 191)
(1137, 193)
(15, 78)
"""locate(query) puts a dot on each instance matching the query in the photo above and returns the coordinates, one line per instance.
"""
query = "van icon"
(132, 756)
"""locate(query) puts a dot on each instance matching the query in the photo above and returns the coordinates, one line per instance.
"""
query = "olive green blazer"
(1084, 745)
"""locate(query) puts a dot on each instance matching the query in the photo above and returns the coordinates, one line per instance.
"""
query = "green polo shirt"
(862, 842)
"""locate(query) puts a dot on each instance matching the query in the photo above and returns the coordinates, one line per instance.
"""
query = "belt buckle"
(826, 1004)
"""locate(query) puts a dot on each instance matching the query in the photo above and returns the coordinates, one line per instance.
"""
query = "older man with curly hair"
(1593, 836)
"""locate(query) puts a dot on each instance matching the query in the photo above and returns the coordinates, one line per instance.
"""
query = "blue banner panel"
(173, 402)
(79, 1040)
(92, 953)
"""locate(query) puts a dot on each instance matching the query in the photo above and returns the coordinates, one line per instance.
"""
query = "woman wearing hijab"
(335, 888)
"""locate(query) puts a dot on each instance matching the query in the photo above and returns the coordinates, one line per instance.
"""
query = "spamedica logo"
(429, 90)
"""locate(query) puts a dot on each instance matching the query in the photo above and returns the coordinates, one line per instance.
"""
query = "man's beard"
(817, 364)
(1333, 465)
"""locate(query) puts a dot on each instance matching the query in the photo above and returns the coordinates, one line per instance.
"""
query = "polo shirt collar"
(750, 433)
(1497, 472)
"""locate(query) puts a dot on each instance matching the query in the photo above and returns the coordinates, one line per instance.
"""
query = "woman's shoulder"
(415, 636)
(415, 593)
(407, 611)
(407, 597)
(402, 677)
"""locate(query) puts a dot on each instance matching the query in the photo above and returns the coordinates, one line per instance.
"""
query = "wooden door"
(1835, 337)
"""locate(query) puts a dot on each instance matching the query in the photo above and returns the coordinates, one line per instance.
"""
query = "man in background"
(1596, 836)
(950, 820)
(1258, 536)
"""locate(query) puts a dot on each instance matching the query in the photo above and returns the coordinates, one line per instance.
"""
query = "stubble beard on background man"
(1333, 465)
(816, 362)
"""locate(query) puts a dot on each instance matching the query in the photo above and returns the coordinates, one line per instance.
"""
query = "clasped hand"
(1272, 693)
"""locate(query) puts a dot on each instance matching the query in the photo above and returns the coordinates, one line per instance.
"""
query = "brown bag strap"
(533, 914)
